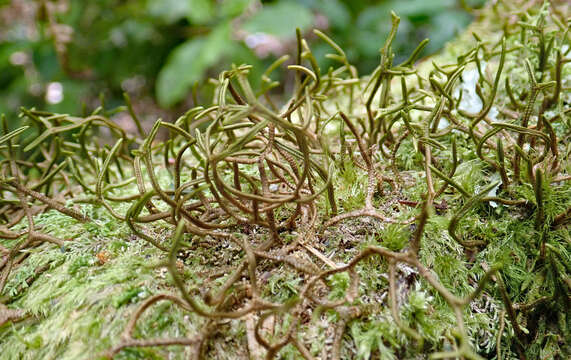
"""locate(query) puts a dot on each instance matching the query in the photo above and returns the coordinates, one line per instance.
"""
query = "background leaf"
(169, 11)
(231, 8)
(187, 63)
(200, 11)
(280, 20)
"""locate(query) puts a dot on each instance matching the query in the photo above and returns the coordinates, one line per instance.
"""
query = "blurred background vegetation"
(70, 55)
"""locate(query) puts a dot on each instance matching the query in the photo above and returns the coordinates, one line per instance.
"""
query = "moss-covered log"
(421, 211)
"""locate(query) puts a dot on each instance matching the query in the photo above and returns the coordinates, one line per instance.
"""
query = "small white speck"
(18, 58)
(256, 39)
(443, 124)
(54, 93)
(470, 102)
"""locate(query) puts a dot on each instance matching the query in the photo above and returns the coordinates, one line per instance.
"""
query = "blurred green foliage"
(61, 55)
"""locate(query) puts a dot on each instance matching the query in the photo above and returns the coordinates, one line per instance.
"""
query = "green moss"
(245, 179)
